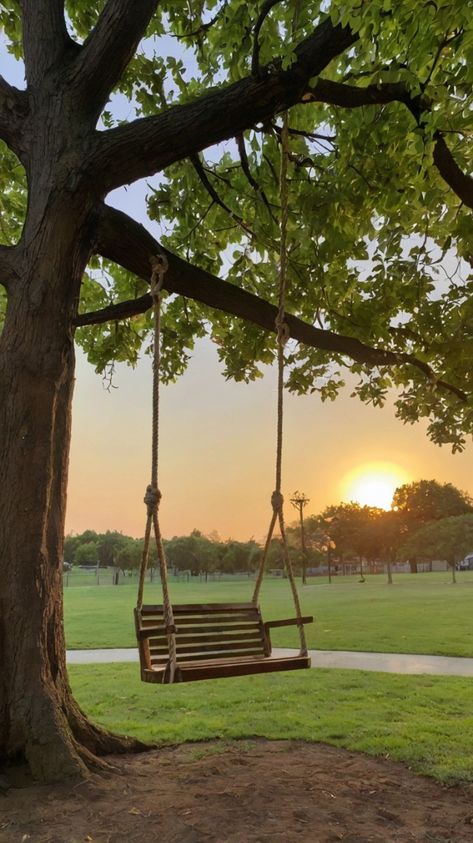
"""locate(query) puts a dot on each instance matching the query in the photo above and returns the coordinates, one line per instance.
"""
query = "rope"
(152, 498)
(282, 329)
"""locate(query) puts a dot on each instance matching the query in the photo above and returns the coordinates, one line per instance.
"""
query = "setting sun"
(373, 484)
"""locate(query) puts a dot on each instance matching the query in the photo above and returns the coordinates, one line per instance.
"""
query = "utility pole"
(299, 501)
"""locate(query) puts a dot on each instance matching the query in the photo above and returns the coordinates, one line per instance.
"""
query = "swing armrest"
(289, 622)
(285, 622)
(153, 631)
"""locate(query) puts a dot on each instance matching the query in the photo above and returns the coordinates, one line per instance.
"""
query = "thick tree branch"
(109, 48)
(45, 37)
(124, 241)
(13, 113)
(146, 146)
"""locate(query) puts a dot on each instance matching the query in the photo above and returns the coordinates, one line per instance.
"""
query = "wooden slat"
(200, 608)
(207, 638)
(222, 620)
(211, 656)
(218, 628)
(213, 647)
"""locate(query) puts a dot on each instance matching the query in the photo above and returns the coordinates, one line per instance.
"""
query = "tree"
(379, 109)
(351, 527)
(194, 553)
(424, 501)
(86, 554)
(74, 541)
(387, 531)
(447, 538)
(130, 554)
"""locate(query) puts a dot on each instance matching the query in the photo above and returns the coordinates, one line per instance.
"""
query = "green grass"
(425, 722)
(421, 613)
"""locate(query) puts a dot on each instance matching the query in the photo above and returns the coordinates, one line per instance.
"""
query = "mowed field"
(423, 721)
(419, 613)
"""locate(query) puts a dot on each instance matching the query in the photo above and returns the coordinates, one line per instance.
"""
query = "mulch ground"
(257, 792)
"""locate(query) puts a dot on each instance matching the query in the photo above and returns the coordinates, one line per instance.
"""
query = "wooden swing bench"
(212, 640)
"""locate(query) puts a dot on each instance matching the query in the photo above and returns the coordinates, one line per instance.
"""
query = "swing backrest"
(204, 632)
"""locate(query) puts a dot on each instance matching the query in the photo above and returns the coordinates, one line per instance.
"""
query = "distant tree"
(239, 557)
(194, 553)
(129, 554)
(73, 541)
(424, 501)
(109, 545)
(315, 539)
(447, 538)
(86, 554)
(350, 527)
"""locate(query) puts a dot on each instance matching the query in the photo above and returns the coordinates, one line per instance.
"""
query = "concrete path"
(384, 662)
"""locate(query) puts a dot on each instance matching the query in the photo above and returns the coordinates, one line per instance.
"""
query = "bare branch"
(245, 165)
(124, 241)
(147, 145)
(13, 113)
(109, 48)
(265, 10)
(45, 37)
(204, 27)
(215, 196)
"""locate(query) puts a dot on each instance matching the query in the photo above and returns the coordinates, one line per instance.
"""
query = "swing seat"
(212, 640)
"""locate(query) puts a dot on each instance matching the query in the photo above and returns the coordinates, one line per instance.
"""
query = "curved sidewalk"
(382, 662)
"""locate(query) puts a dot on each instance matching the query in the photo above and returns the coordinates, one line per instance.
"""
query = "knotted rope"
(283, 334)
(152, 498)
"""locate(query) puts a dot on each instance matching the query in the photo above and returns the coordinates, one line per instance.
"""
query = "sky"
(218, 442)
(217, 451)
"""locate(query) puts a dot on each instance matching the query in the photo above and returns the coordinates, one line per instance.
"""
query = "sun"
(373, 484)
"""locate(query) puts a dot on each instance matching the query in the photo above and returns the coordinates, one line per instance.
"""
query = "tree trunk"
(389, 572)
(39, 720)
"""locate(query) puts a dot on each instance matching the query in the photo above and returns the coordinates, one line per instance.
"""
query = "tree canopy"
(427, 500)
(380, 226)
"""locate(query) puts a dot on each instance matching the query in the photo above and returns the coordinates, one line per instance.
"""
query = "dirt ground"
(251, 792)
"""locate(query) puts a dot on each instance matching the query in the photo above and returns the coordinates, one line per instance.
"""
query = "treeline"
(195, 554)
(428, 521)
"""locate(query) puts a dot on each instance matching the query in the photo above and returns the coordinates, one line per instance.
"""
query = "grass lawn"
(425, 722)
(421, 613)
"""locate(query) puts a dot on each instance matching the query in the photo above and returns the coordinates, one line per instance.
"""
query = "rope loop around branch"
(159, 266)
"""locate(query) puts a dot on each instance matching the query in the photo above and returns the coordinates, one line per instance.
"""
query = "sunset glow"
(373, 484)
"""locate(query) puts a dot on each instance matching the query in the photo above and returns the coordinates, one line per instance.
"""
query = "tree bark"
(39, 720)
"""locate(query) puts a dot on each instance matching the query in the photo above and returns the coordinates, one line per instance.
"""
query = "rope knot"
(159, 266)
(277, 501)
(152, 499)
(282, 330)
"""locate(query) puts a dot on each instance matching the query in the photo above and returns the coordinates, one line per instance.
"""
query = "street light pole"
(299, 501)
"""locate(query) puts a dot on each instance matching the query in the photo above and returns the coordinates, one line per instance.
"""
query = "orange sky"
(217, 451)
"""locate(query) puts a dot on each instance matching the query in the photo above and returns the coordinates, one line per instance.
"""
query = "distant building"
(466, 564)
